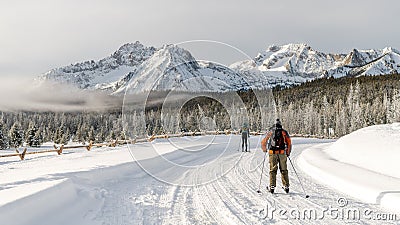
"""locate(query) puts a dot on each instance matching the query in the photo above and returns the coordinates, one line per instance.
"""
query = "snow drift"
(363, 164)
(375, 148)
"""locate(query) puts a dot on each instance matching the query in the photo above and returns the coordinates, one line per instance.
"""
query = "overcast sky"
(43, 34)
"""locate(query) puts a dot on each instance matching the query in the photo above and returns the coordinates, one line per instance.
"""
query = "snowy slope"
(174, 68)
(360, 148)
(290, 64)
(368, 62)
(104, 73)
(297, 63)
(108, 186)
(363, 164)
(296, 59)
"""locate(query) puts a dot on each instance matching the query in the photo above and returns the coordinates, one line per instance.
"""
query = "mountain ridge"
(142, 68)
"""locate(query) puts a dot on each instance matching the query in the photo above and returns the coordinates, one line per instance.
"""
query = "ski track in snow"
(125, 194)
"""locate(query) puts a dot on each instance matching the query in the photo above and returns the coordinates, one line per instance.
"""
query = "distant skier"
(279, 148)
(245, 135)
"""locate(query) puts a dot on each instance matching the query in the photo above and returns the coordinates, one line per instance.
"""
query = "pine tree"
(100, 136)
(91, 134)
(38, 137)
(65, 137)
(78, 135)
(31, 136)
(16, 135)
(112, 136)
(394, 109)
(58, 134)
(122, 135)
(3, 139)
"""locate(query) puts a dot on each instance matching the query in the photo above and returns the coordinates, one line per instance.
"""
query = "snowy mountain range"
(297, 63)
(137, 68)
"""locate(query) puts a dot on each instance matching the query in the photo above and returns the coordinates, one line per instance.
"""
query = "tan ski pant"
(278, 161)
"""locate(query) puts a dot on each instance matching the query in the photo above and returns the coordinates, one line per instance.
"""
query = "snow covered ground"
(363, 164)
(138, 185)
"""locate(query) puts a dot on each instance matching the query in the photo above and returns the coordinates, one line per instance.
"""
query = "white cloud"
(24, 94)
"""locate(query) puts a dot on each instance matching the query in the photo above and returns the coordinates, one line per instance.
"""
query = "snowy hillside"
(174, 68)
(368, 62)
(109, 186)
(363, 164)
(102, 74)
(141, 68)
(297, 63)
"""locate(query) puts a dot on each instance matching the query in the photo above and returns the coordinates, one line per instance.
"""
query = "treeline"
(201, 113)
(324, 107)
(329, 107)
(335, 107)
(34, 128)
(206, 112)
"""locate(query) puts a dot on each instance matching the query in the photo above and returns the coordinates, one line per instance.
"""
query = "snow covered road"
(218, 185)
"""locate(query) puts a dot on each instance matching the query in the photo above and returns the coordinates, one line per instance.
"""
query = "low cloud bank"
(29, 95)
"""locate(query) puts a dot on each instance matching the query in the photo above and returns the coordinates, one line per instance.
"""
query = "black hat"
(278, 123)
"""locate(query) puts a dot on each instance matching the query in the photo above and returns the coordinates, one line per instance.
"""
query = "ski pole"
(249, 143)
(262, 171)
(240, 142)
(301, 184)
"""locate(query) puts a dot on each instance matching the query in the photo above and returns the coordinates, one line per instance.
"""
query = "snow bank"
(363, 164)
(47, 188)
(41, 200)
(375, 148)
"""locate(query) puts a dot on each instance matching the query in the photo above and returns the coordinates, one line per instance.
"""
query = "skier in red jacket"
(279, 148)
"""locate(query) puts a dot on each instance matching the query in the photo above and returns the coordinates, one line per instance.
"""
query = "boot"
(286, 189)
(272, 189)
